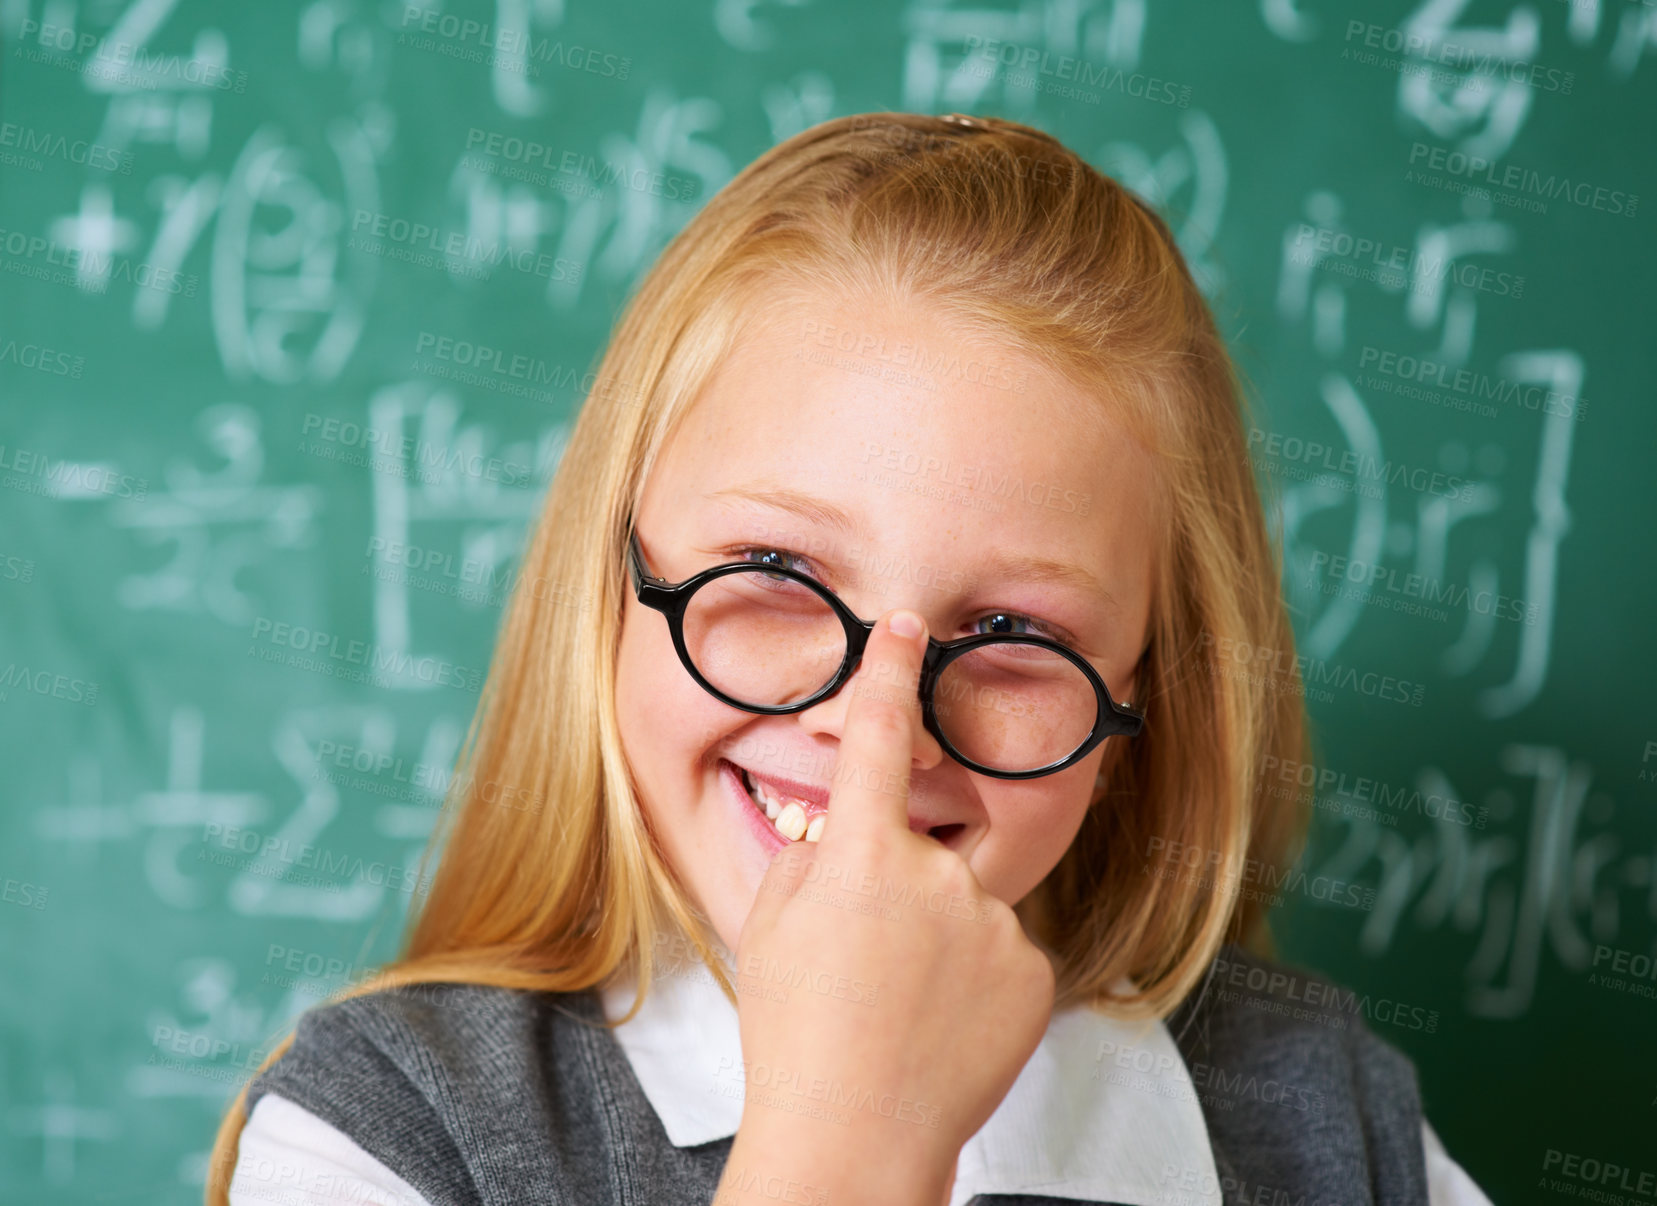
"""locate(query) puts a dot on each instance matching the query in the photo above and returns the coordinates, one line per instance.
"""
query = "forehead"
(915, 426)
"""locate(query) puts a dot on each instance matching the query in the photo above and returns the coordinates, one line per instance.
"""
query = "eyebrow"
(813, 510)
(1006, 565)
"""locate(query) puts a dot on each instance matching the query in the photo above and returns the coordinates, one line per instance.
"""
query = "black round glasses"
(773, 640)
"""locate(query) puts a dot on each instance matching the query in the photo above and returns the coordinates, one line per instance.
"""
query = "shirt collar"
(1104, 1110)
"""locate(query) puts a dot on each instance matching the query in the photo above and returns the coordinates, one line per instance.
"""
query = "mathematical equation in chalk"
(1553, 873)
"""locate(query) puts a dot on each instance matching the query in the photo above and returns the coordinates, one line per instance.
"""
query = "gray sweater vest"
(489, 1097)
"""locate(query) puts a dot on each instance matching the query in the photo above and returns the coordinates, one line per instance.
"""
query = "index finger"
(869, 793)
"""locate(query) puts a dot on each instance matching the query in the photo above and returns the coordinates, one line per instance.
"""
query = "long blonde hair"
(548, 879)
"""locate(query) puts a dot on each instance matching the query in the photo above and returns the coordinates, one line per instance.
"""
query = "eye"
(1003, 623)
(781, 558)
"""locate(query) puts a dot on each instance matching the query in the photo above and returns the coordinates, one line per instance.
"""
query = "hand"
(880, 1095)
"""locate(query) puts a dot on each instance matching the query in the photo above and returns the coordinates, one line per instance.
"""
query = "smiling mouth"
(793, 818)
(798, 820)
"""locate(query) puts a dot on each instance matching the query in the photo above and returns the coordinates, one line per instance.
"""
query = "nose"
(828, 717)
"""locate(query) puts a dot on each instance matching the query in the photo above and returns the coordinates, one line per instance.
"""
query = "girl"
(915, 459)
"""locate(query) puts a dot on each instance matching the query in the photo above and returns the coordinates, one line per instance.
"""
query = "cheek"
(667, 721)
(1027, 838)
(649, 707)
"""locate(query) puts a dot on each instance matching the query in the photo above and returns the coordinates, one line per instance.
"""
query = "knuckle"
(950, 872)
(1041, 976)
(996, 912)
(1005, 921)
(1042, 972)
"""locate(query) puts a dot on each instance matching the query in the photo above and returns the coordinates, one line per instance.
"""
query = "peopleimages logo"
(306, 646)
(530, 153)
(1374, 576)
(1294, 453)
(1474, 60)
(23, 894)
(278, 856)
(907, 354)
(141, 67)
(1276, 669)
(1588, 1170)
(34, 256)
(485, 359)
(40, 474)
(1474, 385)
(512, 43)
(94, 155)
(1257, 880)
(433, 247)
(1282, 774)
(1028, 63)
(1269, 988)
(416, 454)
(943, 473)
(47, 683)
(41, 359)
(834, 1094)
(1397, 264)
(1522, 181)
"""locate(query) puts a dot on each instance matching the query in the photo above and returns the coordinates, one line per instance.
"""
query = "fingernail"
(907, 624)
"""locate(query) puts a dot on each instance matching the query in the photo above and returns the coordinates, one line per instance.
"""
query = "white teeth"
(791, 821)
(786, 814)
(772, 802)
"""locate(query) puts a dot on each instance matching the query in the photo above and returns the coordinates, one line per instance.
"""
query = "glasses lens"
(762, 638)
(1014, 707)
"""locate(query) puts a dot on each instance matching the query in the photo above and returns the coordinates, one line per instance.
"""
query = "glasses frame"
(671, 598)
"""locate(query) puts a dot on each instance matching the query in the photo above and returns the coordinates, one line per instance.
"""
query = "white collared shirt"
(1068, 1128)
(685, 1048)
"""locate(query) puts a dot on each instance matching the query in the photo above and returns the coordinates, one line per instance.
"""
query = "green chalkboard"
(298, 302)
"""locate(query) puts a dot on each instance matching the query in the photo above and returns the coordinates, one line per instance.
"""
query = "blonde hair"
(548, 879)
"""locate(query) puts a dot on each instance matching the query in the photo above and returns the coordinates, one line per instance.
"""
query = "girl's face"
(902, 466)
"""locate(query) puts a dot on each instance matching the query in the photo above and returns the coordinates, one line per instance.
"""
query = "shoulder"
(414, 1075)
(1246, 998)
(432, 1013)
(421, 1030)
(1292, 1081)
